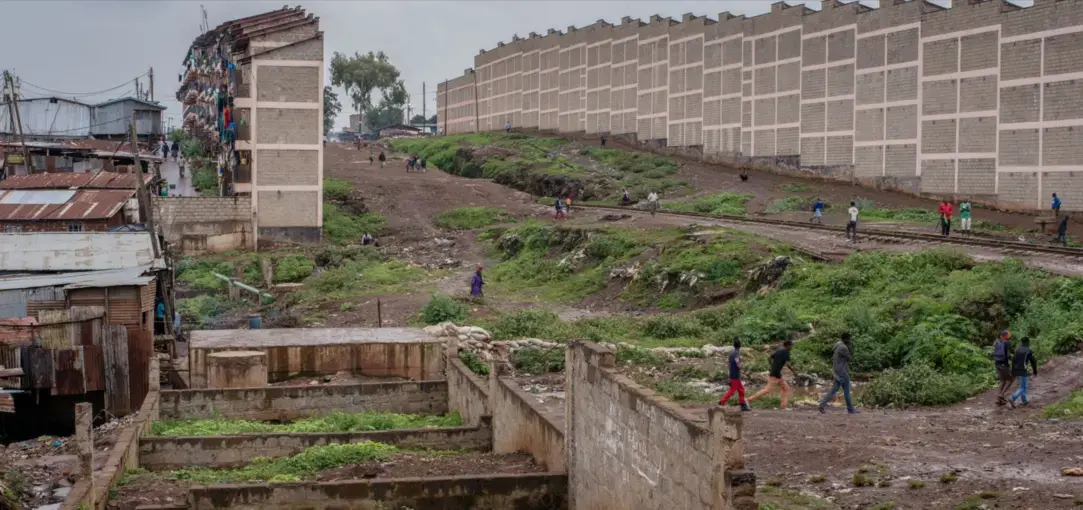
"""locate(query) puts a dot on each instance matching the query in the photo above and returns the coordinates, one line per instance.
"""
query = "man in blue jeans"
(841, 361)
(1022, 357)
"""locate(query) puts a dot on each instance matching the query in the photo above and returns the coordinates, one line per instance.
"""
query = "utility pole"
(16, 118)
(144, 197)
(151, 84)
(425, 119)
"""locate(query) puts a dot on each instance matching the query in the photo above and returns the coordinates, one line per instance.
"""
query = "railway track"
(890, 236)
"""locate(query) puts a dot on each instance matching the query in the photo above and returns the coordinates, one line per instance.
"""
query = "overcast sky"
(89, 46)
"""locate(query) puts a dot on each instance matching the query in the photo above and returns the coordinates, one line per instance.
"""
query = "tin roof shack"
(399, 130)
(47, 118)
(76, 156)
(70, 252)
(112, 119)
(76, 210)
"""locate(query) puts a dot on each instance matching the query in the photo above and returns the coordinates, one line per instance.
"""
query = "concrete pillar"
(732, 485)
(84, 443)
(155, 382)
(237, 369)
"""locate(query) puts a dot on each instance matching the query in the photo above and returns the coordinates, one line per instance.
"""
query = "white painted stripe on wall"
(829, 31)
(293, 106)
(795, 28)
(978, 73)
(1041, 79)
(1048, 168)
(889, 30)
(293, 187)
(1041, 124)
(958, 155)
(775, 63)
(286, 63)
(963, 115)
(891, 67)
(817, 67)
(961, 33)
(1043, 34)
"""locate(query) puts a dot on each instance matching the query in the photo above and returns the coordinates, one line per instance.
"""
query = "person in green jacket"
(964, 217)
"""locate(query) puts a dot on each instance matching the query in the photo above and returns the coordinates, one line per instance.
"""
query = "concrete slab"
(303, 337)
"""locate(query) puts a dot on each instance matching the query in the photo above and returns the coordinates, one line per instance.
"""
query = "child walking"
(1023, 356)
(735, 378)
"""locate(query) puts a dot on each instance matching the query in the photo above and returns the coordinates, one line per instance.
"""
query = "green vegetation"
(290, 469)
(443, 308)
(205, 180)
(198, 273)
(334, 422)
(794, 187)
(544, 166)
(474, 363)
(341, 227)
(950, 477)
(336, 189)
(862, 480)
(1069, 408)
(468, 218)
(538, 361)
(916, 484)
(775, 498)
(923, 321)
(726, 202)
(789, 204)
(293, 268)
(673, 268)
(884, 505)
(203, 309)
(366, 275)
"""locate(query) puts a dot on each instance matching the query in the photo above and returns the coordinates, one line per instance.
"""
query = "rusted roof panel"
(69, 371)
(67, 180)
(41, 205)
(93, 367)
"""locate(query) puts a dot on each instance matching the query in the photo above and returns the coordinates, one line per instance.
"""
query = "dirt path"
(1015, 454)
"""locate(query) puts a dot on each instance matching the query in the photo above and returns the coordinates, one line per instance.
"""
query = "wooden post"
(17, 120)
(151, 73)
(84, 443)
(379, 313)
(144, 197)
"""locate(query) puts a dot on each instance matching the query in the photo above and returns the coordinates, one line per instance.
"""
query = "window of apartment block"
(75, 227)
(13, 229)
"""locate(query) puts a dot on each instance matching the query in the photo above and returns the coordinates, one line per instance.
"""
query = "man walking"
(964, 217)
(1002, 350)
(1062, 232)
(1022, 357)
(735, 378)
(779, 360)
(841, 372)
(507, 127)
(1056, 205)
(383, 159)
(476, 284)
(945, 217)
(817, 212)
(652, 202)
(851, 226)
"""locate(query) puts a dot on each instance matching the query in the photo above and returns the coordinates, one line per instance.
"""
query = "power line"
(80, 94)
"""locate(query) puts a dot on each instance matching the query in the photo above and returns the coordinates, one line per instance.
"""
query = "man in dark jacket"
(1002, 353)
(1022, 357)
(735, 378)
(779, 360)
(841, 372)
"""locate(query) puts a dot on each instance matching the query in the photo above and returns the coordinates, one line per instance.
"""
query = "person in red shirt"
(945, 217)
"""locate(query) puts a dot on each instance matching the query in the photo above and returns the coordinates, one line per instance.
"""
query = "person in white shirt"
(652, 201)
(851, 226)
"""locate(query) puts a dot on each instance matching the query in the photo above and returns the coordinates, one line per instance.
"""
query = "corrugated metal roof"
(132, 99)
(81, 280)
(66, 180)
(70, 251)
(99, 148)
(46, 205)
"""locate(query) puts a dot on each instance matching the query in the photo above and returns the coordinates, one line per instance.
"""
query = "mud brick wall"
(980, 99)
(496, 492)
(205, 224)
(165, 453)
(520, 425)
(624, 436)
(467, 393)
(292, 402)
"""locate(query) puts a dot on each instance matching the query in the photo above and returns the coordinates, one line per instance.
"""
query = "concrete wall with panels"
(983, 99)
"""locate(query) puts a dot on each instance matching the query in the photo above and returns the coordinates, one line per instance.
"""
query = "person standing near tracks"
(817, 212)
(1022, 357)
(603, 140)
(1002, 353)
(652, 202)
(559, 206)
(371, 157)
(383, 159)
(851, 225)
(964, 217)
(840, 371)
(1062, 232)
(735, 378)
(779, 359)
(1056, 205)
(945, 217)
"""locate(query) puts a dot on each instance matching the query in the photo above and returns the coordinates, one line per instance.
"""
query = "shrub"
(204, 308)
(199, 274)
(342, 228)
(307, 463)
(671, 326)
(474, 363)
(918, 384)
(336, 421)
(720, 203)
(336, 189)
(468, 218)
(442, 308)
(532, 323)
(539, 361)
(1070, 408)
(293, 268)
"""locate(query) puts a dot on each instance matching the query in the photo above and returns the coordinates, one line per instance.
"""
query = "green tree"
(432, 120)
(331, 107)
(361, 76)
(418, 119)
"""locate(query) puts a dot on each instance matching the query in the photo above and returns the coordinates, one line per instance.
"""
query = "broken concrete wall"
(166, 453)
(206, 224)
(630, 448)
(519, 492)
(520, 424)
(292, 402)
(467, 393)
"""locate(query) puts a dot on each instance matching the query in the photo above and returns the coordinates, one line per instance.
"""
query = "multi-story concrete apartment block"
(456, 104)
(268, 71)
(983, 99)
(531, 65)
